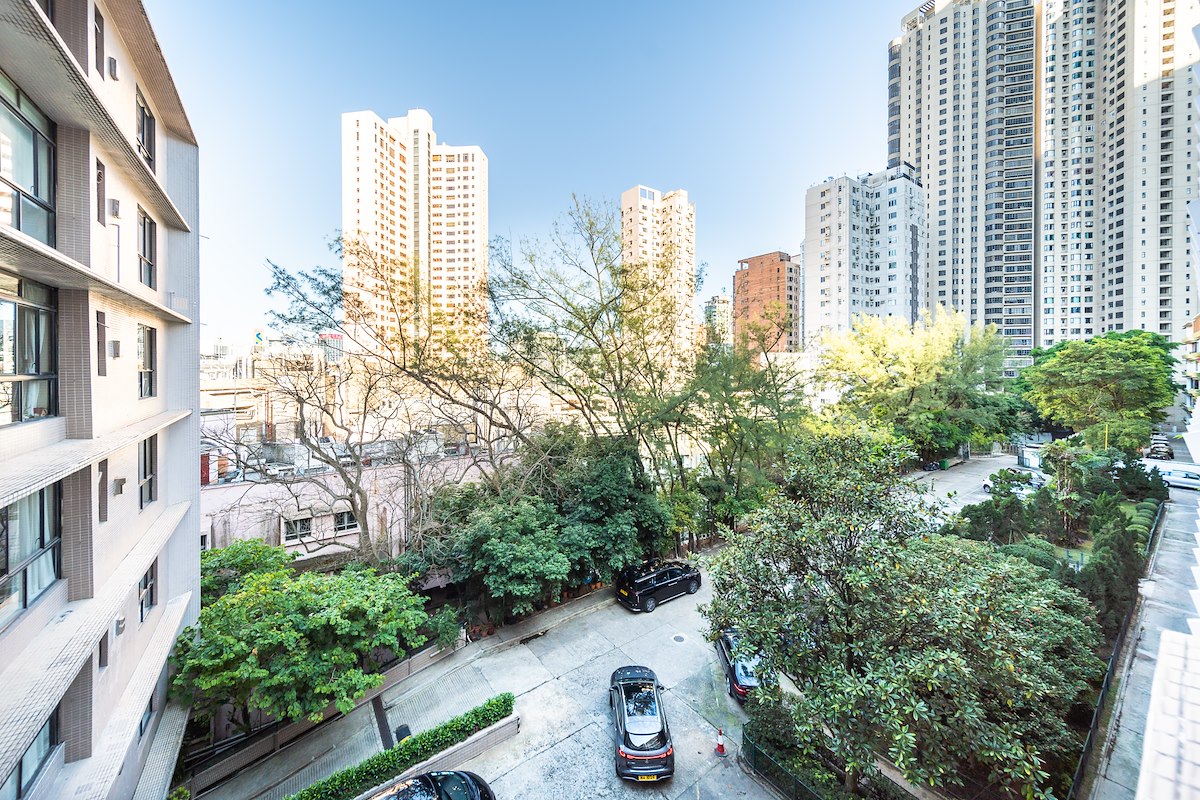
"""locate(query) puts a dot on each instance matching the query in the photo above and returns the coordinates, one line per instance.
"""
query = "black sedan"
(741, 673)
(643, 740)
(438, 786)
(643, 587)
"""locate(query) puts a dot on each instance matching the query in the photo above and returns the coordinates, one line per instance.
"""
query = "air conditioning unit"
(112, 68)
(114, 348)
(114, 208)
(119, 624)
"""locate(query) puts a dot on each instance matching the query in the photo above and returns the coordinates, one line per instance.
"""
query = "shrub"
(1148, 505)
(382, 767)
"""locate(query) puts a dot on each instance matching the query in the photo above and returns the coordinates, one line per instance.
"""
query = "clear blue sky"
(743, 104)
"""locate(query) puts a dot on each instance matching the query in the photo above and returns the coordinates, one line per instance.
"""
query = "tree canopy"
(1109, 378)
(934, 651)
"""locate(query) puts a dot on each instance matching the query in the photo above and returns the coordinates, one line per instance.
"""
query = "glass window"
(147, 249)
(294, 529)
(29, 550)
(147, 467)
(147, 592)
(27, 351)
(147, 353)
(344, 521)
(145, 130)
(19, 781)
(26, 165)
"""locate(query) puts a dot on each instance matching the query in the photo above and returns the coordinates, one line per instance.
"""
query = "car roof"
(633, 674)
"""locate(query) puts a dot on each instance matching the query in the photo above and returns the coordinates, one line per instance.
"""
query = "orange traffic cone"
(720, 743)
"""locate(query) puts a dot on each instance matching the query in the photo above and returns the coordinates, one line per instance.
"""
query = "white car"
(1182, 479)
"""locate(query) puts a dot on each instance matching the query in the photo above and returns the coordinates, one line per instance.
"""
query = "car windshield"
(643, 724)
(452, 786)
(747, 671)
(419, 788)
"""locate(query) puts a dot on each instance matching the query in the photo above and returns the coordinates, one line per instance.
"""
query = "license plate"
(624, 592)
(647, 777)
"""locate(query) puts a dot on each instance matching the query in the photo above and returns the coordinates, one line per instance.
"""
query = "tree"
(935, 382)
(291, 645)
(513, 550)
(1104, 379)
(932, 651)
(222, 570)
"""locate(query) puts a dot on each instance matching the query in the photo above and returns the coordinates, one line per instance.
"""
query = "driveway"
(565, 746)
(962, 484)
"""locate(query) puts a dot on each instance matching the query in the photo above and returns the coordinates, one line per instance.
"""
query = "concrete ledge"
(460, 753)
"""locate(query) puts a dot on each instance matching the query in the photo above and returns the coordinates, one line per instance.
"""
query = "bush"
(1148, 505)
(382, 767)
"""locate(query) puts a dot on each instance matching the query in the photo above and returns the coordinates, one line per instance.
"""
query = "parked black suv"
(741, 673)
(643, 588)
(644, 749)
(454, 785)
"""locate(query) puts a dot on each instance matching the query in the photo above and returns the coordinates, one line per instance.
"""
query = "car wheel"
(693, 587)
(650, 605)
(1167, 484)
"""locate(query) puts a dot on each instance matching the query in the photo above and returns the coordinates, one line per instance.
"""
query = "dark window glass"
(147, 592)
(29, 550)
(147, 353)
(147, 249)
(147, 469)
(98, 31)
(101, 344)
(295, 529)
(145, 130)
(27, 351)
(102, 490)
(101, 217)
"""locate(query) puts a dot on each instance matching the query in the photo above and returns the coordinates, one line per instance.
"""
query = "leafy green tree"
(932, 651)
(1110, 576)
(932, 382)
(1108, 378)
(222, 570)
(291, 645)
(1002, 519)
(513, 550)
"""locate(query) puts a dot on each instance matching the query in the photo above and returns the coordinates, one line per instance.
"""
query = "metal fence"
(780, 777)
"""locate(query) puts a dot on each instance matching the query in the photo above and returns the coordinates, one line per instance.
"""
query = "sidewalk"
(430, 697)
(1167, 604)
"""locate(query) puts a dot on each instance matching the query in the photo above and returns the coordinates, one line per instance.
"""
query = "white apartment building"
(718, 320)
(99, 364)
(658, 229)
(421, 205)
(1052, 140)
(864, 249)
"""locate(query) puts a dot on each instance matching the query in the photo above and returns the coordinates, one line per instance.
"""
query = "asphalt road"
(565, 747)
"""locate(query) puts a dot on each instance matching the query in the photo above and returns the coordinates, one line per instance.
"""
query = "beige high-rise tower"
(419, 209)
(658, 230)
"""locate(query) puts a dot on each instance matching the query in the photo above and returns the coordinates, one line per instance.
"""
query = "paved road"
(1168, 602)
(565, 747)
(962, 484)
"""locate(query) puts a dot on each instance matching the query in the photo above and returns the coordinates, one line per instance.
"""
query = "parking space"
(565, 745)
(962, 484)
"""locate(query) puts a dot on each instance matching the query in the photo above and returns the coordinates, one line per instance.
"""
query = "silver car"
(1181, 479)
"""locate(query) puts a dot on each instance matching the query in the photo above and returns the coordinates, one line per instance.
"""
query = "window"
(147, 248)
(29, 550)
(98, 32)
(147, 353)
(344, 521)
(148, 592)
(147, 715)
(145, 130)
(294, 529)
(27, 165)
(100, 216)
(147, 467)
(19, 781)
(101, 342)
(28, 387)
(102, 654)
(102, 490)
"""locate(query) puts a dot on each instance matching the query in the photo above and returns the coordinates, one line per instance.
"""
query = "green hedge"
(382, 767)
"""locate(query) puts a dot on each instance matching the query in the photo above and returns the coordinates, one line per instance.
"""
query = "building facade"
(658, 232)
(99, 366)
(718, 321)
(864, 248)
(416, 210)
(767, 306)
(1053, 144)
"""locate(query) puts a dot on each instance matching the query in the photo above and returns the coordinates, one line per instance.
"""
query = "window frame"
(98, 38)
(49, 540)
(148, 592)
(339, 524)
(293, 531)
(24, 782)
(147, 356)
(147, 249)
(36, 304)
(147, 129)
(43, 134)
(147, 471)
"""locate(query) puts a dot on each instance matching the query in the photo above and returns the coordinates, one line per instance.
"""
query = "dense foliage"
(382, 767)
(293, 644)
(935, 382)
(935, 651)
(222, 570)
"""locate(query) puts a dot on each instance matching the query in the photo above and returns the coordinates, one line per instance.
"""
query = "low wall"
(457, 755)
